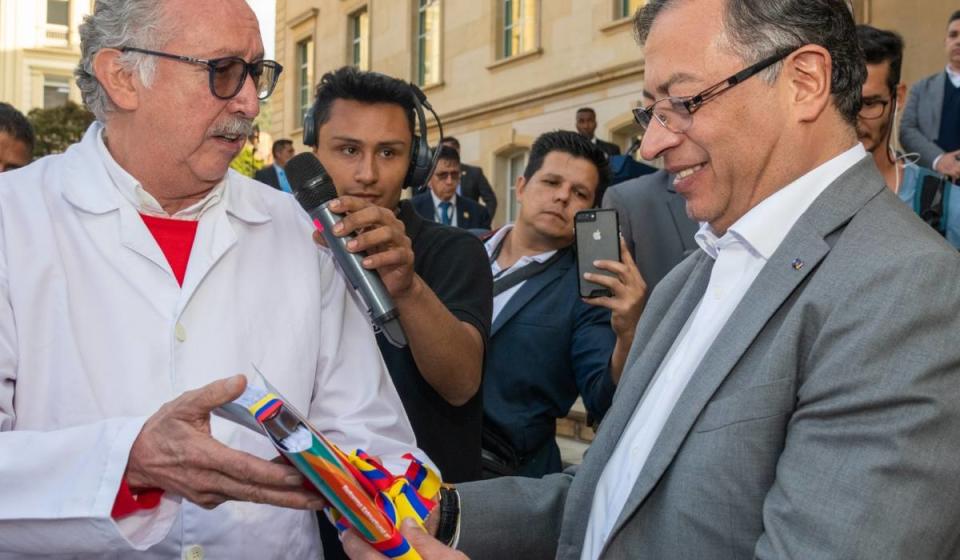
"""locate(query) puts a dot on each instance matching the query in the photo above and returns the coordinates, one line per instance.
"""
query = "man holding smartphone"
(547, 345)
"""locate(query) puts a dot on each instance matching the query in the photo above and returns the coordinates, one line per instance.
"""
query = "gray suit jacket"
(921, 119)
(823, 422)
(654, 223)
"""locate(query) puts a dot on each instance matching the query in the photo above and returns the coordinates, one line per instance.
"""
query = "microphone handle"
(368, 283)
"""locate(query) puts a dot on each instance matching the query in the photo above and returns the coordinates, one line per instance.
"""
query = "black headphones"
(423, 160)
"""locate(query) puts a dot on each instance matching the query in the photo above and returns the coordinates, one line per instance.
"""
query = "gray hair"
(760, 28)
(114, 24)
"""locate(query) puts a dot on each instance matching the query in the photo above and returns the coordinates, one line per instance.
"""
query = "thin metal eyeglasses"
(228, 74)
(678, 115)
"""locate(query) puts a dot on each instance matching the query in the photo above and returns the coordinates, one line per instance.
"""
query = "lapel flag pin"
(797, 264)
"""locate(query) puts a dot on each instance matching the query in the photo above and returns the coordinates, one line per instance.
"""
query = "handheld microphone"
(314, 190)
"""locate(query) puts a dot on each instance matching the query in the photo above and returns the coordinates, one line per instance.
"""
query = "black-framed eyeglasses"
(676, 113)
(228, 74)
(871, 109)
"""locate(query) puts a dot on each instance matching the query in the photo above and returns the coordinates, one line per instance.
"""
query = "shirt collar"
(491, 245)
(954, 76)
(144, 202)
(762, 229)
(437, 201)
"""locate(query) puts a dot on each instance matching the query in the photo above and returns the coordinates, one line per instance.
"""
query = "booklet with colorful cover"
(362, 494)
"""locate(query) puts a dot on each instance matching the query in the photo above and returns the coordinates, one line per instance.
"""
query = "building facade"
(501, 72)
(39, 49)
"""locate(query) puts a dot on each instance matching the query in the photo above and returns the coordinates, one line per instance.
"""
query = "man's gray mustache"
(234, 127)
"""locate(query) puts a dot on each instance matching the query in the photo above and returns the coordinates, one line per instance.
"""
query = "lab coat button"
(194, 552)
(180, 332)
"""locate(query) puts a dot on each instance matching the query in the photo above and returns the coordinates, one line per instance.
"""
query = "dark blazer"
(608, 148)
(470, 215)
(474, 185)
(821, 424)
(268, 175)
(654, 223)
(546, 347)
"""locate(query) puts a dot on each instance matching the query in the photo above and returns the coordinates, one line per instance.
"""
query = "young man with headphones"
(369, 132)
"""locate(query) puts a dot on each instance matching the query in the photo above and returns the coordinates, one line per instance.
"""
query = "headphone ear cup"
(421, 163)
(412, 173)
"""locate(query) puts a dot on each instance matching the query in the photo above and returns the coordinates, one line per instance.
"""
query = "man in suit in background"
(587, 127)
(274, 175)
(473, 183)
(935, 200)
(654, 223)
(547, 345)
(442, 205)
(791, 389)
(931, 121)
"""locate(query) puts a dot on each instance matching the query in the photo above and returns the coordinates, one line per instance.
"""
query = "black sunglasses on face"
(228, 74)
(676, 113)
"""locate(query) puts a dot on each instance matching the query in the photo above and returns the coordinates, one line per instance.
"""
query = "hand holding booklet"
(362, 494)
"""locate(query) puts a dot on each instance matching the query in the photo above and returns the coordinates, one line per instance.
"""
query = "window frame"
(61, 82)
(358, 36)
(622, 10)
(511, 180)
(527, 44)
(419, 59)
(66, 4)
(305, 61)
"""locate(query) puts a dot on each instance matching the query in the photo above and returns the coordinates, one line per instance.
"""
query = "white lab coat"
(96, 334)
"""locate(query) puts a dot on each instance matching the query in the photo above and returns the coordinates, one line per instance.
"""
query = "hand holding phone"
(597, 239)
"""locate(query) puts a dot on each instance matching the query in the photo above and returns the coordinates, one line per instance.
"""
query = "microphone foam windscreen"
(309, 180)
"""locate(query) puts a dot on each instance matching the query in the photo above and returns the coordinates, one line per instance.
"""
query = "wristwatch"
(449, 516)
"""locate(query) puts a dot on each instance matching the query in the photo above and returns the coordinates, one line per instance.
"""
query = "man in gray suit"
(654, 223)
(791, 389)
(931, 121)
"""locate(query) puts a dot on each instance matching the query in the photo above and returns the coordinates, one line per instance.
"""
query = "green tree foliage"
(58, 127)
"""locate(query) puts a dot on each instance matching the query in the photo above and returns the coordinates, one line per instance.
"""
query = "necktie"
(445, 217)
(284, 182)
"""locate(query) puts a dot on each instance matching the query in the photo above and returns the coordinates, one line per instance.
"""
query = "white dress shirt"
(96, 334)
(954, 76)
(739, 255)
(139, 198)
(502, 299)
(436, 209)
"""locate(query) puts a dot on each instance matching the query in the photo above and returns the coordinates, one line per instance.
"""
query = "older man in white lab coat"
(136, 276)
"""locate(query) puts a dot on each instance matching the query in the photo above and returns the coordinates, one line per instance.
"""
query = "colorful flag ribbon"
(362, 494)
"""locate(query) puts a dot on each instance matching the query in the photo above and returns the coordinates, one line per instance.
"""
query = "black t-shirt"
(453, 263)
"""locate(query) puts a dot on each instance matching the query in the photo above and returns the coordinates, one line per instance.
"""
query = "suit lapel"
(772, 287)
(780, 277)
(934, 108)
(463, 218)
(668, 310)
(530, 289)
